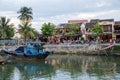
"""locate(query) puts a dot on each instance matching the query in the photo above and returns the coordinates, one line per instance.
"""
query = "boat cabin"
(34, 49)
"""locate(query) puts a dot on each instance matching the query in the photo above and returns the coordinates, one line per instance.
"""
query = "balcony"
(117, 31)
(107, 30)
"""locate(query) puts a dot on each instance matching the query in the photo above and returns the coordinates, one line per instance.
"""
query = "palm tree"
(6, 29)
(25, 14)
(26, 31)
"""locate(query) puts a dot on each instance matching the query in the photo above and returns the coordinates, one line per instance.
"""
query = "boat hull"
(2, 61)
(21, 55)
(40, 57)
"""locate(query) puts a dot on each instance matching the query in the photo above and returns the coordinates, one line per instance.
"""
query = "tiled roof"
(77, 21)
(117, 22)
(63, 25)
(94, 20)
(89, 25)
(111, 20)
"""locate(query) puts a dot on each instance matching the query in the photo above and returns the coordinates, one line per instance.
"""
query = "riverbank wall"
(86, 49)
(76, 48)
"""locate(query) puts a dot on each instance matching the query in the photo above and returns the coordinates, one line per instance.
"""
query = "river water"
(63, 67)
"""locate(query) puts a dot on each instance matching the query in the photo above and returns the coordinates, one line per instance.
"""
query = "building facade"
(111, 28)
(64, 28)
(116, 32)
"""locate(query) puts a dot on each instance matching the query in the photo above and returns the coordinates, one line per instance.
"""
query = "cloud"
(83, 15)
(60, 11)
(8, 14)
(78, 16)
(37, 25)
(11, 15)
(101, 4)
(57, 19)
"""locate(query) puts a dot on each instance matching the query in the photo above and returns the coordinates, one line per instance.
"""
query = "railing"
(107, 30)
(117, 31)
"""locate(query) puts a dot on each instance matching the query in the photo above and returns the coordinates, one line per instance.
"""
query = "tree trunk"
(25, 40)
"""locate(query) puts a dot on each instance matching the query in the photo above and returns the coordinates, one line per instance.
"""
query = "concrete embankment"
(76, 48)
(82, 49)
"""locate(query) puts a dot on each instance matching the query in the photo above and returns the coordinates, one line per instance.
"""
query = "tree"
(10, 32)
(48, 29)
(6, 29)
(36, 33)
(73, 28)
(25, 14)
(25, 27)
(26, 31)
(97, 30)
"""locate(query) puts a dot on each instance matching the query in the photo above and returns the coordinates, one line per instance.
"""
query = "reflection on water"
(63, 67)
(26, 70)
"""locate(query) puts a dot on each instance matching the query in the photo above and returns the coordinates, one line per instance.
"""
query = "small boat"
(32, 50)
(3, 59)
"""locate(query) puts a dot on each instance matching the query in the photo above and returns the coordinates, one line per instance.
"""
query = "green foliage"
(97, 30)
(27, 31)
(70, 33)
(25, 27)
(116, 49)
(73, 28)
(48, 29)
(6, 29)
(63, 31)
(25, 14)
(10, 32)
(36, 33)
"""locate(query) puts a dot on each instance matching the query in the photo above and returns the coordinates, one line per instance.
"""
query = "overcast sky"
(60, 11)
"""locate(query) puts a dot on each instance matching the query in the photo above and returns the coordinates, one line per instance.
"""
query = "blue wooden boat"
(31, 50)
